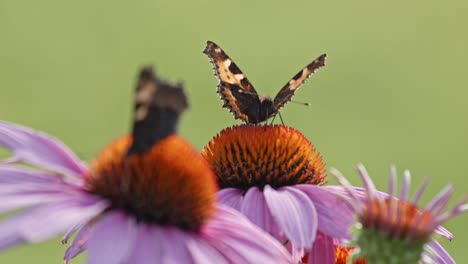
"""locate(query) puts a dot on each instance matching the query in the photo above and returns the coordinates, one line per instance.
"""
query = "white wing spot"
(239, 76)
(217, 50)
(227, 63)
(240, 91)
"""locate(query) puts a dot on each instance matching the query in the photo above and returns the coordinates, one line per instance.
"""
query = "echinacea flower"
(147, 198)
(394, 229)
(275, 176)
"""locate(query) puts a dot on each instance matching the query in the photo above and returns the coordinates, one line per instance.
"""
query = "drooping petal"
(71, 231)
(240, 241)
(39, 149)
(256, 210)
(294, 213)
(334, 215)
(10, 239)
(112, 240)
(46, 221)
(231, 197)
(323, 251)
(437, 253)
(444, 232)
(14, 202)
(23, 187)
(78, 244)
(57, 217)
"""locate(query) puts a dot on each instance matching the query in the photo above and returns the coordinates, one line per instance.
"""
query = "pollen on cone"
(251, 155)
(169, 184)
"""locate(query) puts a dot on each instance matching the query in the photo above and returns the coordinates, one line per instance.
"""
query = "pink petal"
(188, 247)
(294, 213)
(231, 197)
(160, 244)
(435, 252)
(202, 252)
(240, 241)
(148, 248)
(39, 149)
(323, 251)
(173, 244)
(334, 215)
(112, 240)
(256, 210)
(10, 239)
(78, 244)
(444, 232)
(22, 187)
(164, 244)
(16, 202)
(46, 221)
(54, 218)
(70, 232)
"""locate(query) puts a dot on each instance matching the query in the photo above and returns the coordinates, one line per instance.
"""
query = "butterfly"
(158, 104)
(241, 98)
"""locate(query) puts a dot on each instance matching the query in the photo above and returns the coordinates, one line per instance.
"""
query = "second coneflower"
(147, 198)
(275, 176)
(394, 229)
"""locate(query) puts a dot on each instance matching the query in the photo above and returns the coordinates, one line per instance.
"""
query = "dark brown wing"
(158, 105)
(287, 92)
(237, 93)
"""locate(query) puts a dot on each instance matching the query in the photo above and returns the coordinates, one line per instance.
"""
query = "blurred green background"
(394, 89)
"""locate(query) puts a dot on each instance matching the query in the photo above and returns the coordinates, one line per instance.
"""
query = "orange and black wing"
(158, 105)
(237, 93)
(287, 92)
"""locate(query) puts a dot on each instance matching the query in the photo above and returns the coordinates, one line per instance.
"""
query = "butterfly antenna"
(301, 103)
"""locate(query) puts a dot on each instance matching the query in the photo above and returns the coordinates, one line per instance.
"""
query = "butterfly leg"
(281, 118)
(272, 120)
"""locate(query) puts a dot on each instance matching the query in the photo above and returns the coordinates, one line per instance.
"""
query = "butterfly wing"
(158, 105)
(237, 93)
(287, 92)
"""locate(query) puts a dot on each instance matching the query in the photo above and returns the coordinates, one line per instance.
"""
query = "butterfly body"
(239, 95)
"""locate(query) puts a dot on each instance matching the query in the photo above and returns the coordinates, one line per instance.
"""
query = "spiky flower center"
(250, 155)
(398, 219)
(170, 184)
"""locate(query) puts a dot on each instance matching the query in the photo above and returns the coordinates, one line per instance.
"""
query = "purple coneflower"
(394, 229)
(275, 176)
(147, 198)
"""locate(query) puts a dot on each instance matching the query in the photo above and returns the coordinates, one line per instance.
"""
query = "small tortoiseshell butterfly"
(158, 104)
(238, 94)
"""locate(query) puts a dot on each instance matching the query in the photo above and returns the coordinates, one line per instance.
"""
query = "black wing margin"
(288, 90)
